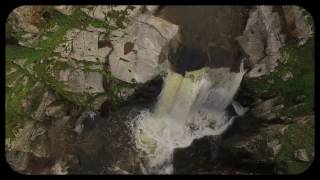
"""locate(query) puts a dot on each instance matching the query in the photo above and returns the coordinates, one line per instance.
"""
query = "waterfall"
(189, 107)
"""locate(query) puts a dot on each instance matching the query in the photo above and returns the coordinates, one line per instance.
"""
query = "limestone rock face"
(262, 40)
(81, 47)
(80, 81)
(137, 53)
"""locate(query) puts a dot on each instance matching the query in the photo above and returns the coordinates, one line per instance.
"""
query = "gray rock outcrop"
(140, 53)
(262, 40)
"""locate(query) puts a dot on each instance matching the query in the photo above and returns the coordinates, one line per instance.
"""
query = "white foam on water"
(188, 108)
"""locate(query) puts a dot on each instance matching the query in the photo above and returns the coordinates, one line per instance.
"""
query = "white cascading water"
(189, 107)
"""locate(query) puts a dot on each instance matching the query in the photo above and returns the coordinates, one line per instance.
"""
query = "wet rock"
(301, 155)
(149, 36)
(64, 9)
(105, 109)
(298, 26)
(261, 40)
(267, 109)
(80, 123)
(240, 110)
(131, 165)
(251, 148)
(275, 146)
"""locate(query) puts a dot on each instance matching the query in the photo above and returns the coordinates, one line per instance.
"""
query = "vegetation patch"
(28, 66)
(300, 62)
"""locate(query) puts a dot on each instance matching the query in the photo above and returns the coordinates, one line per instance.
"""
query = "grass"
(300, 62)
(297, 136)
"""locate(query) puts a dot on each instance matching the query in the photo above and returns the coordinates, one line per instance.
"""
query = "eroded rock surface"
(262, 40)
(140, 55)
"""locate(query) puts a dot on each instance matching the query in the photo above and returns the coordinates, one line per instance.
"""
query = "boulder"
(261, 40)
(239, 109)
(275, 146)
(287, 76)
(267, 109)
(136, 55)
(301, 155)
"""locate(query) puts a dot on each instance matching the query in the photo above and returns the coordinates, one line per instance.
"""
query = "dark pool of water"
(208, 35)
